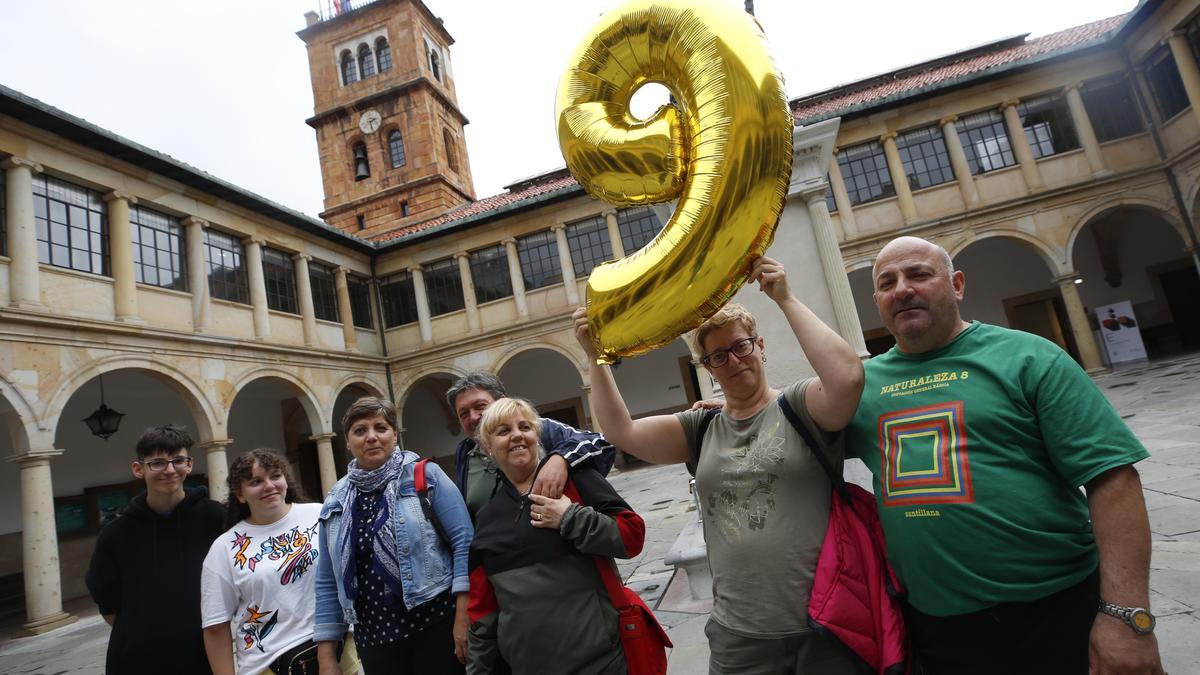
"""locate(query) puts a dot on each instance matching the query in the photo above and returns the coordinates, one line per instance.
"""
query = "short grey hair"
(479, 379)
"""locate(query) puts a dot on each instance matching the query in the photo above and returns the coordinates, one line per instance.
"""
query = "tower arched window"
(396, 148)
(362, 168)
(435, 64)
(349, 71)
(451, 151)
(383, 54)
(366, 61)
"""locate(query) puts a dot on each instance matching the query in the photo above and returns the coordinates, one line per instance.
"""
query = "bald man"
(979, 438)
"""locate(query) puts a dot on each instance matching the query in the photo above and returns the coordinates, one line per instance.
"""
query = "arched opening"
(349, 69)
(451, 149)
(1134, 255)
(431, 428)
(1011, 284)
(12, 578)
(345, 398)
(366, 61)
(551, 382)
(383, 54)
(396, 148)
(92, 479)
(274, 412)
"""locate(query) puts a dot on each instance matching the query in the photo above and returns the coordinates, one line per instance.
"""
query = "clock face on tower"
(369, 122)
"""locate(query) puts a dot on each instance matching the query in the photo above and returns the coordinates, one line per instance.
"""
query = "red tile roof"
(522, 192)
(944, 71)
(935, 73)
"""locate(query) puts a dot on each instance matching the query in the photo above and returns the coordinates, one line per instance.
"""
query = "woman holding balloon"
(765, 497)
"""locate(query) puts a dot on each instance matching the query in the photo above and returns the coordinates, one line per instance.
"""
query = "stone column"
(614, 234)
(218, 467)
(515, 276)
(595, 423)
(23, 271)
(308, 316)
(1085, 341)
(198, 274)
(345, 311)
(835, 272)
(120, 249)
(258, 288)
(568, 267)
(424, 320)
(1087, 135)
(1189, 72)
(899, 179)
(958, 161)
(325, 461)
(842, 198)
(39, 545)
(468, 287)
(1020, 146)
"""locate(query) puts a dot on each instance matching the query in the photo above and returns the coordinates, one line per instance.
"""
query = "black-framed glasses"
(159, 464)
(741, 349)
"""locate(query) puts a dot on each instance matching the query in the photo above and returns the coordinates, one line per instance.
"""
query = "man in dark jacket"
(476, 474)
(145, 570)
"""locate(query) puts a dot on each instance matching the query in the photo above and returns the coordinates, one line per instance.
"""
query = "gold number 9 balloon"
(723, 148)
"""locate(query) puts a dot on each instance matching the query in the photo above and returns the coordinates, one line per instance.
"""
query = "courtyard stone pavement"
(1160, 401)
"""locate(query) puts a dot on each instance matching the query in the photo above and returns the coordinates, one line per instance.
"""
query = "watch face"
(1142, 621)
(369, 122)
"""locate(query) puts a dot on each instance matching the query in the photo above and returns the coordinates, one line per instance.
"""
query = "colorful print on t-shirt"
(256, 626)
(294, 549)
(923, 452)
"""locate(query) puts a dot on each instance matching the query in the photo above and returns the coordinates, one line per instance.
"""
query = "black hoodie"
(146, 571)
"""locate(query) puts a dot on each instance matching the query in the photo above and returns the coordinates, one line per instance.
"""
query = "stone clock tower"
(389, 130)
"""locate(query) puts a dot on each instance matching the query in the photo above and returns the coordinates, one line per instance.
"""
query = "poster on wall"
(1122, 339)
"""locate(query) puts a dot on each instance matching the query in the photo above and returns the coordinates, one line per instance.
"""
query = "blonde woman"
(538, 602)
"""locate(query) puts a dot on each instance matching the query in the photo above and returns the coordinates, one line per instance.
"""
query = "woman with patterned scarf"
(383, 567)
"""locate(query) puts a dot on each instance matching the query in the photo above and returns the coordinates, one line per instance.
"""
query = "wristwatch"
(1140, 620)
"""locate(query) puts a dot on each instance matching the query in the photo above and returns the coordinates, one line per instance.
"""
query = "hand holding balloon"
(583, 332)
(771, 278)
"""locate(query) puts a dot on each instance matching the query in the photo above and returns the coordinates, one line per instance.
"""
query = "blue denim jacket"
(426, 567)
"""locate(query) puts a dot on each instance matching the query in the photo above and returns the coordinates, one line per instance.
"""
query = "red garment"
(855, 596)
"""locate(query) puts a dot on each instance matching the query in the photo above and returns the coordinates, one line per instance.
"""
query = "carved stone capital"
(117, 194)
(193, 220)
(948, 119)
(13, 162)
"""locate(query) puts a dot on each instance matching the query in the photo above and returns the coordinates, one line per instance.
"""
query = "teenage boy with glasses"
(145, 570)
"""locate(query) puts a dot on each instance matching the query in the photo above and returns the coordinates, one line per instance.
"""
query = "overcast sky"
(224, 85)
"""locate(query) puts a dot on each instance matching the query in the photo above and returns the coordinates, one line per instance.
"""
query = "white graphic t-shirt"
(261, 580)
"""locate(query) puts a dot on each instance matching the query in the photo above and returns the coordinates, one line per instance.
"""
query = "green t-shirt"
(978, 450)
(766, 506)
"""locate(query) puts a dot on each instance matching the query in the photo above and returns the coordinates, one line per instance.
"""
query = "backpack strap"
(705, 421)
(818, 450)
(422, 488)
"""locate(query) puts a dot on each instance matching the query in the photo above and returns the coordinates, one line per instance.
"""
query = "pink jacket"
(856, 597)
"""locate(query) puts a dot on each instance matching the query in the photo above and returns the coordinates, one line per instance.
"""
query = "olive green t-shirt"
(978, 450)
(482, 477)
(765, 501)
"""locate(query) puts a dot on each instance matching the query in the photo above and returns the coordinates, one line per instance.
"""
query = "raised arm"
(657, 439)
(833, 397)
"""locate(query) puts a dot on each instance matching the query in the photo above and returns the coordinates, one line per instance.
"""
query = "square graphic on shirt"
(923, 452)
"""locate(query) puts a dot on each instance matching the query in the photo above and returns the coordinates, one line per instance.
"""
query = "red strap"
(612, 583)
(419, 475)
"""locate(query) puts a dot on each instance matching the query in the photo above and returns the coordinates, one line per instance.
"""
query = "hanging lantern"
(104, 421)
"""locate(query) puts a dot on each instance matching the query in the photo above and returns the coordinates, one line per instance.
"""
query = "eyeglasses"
(156, 465)
(741, 349)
